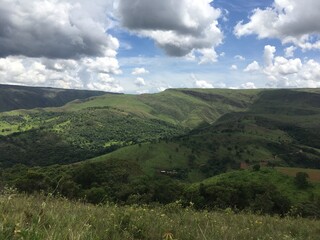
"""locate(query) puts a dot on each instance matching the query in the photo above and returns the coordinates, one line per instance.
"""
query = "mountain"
(198, 145)
(21, 97)
(192, 130)
(279, 128)
(86, 128)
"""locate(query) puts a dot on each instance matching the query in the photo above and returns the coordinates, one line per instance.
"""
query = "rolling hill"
(154, 147)
(86, 128)
(277, 129)
(22, 97)
(230, 126)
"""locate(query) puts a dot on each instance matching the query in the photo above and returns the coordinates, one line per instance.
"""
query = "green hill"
(267, 133)
(91, 127)
(210, 126)
(152, 147)
(21, 97)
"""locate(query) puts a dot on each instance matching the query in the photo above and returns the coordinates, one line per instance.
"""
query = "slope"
(21, 97)
(91, 127)
(281, 128)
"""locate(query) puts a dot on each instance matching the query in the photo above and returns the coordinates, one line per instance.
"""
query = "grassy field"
(40, 217)
(314, 174)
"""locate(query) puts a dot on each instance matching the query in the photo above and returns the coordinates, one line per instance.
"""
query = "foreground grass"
(37, 217)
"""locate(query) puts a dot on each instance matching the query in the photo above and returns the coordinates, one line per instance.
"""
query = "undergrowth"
(40, 217)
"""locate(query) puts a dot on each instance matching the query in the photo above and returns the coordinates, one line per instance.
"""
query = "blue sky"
(145, 46)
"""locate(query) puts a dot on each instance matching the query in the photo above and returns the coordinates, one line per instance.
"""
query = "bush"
(301, 180)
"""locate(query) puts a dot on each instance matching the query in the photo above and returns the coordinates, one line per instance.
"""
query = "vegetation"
(40, 217)
(313, 174)
(223, 152)
(21, 97)
(124, 182)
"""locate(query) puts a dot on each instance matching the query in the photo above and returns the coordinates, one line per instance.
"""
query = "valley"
(215, 148)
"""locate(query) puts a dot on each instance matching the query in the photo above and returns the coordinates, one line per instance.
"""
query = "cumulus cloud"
(252, 67)
(53, 29)
(104, 82)
(283, 72)
(248, 85)
(178, 27)
(58, 43)
(23, 71)
(289, 51)
(59, 73)
(291, 21)
(139, 82)
(139, 71)
(208, 55)
(234, 67)
(203, 84)
(268, 54)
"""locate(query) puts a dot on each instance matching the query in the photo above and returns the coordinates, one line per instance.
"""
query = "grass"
(152, 157)
(285, 184)
(39, 217)
(314, 174)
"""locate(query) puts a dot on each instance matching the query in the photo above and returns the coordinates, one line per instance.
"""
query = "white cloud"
(239, 57)
(268, 54)
(202, 84)
(248, 85)
(234, 67)
(108, 65)
(58, 43)
(208, 55)
(104, 82)
(17, 70)
(87, 73)
(252, 67)
(139, 82)
(139, 71)
(289, 51)
(291, 21)
(178, 27)
(54, 28)
(191, 56)
(283, 72)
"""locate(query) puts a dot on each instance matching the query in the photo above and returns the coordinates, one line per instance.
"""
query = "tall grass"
(40, 217)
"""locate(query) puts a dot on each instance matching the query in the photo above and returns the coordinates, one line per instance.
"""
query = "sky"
(147, 46)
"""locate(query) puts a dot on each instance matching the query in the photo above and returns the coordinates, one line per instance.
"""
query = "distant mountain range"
(21, 97)
(231, 126)
(193, 144)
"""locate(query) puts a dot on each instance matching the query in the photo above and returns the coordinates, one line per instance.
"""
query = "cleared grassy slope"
(314, 174)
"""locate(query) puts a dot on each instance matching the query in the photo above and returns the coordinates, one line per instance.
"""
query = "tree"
(301, 180)
(256, 167)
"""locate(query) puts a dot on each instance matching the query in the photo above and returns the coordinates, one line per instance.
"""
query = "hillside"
(83, 129)
(154, 148)
(281, 128)
(207, 127)
(21, 97)
(264, 191)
